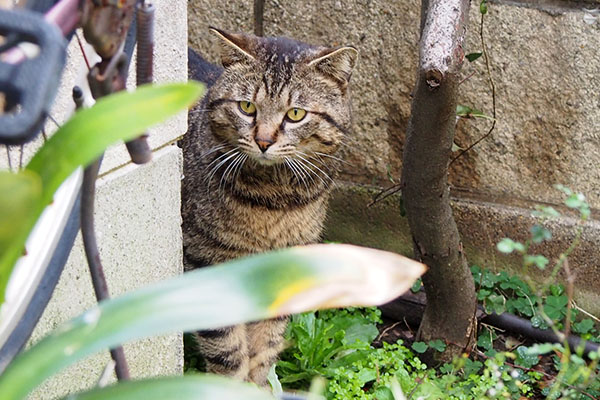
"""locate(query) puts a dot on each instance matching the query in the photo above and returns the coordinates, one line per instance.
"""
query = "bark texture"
(451, 302)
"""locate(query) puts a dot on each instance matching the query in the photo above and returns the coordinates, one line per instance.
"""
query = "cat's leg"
(225, 351)
(265, 341)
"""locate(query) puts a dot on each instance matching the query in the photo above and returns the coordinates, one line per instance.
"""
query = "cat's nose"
(263, 144)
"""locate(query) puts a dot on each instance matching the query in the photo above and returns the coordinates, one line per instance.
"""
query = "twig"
(581, 310)
(570, 284)
(87, 63)
(259, 11)
(383, 332)
(467, 78)
(492, 86)
(385, 193)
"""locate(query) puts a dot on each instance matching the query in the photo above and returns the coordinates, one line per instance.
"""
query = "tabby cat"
(258, 168)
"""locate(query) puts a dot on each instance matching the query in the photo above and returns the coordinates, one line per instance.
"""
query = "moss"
(351, 220)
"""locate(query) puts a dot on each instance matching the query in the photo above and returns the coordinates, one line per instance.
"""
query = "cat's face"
(280, 101)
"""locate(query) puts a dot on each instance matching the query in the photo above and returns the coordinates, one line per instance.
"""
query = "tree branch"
(450, 314)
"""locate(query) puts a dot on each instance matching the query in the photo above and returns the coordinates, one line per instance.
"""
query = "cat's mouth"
(266, 159)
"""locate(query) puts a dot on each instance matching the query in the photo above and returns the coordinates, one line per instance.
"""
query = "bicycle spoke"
(8, 157)
(21, 158)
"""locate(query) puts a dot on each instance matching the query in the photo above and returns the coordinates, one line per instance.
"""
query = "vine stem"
(492, 87)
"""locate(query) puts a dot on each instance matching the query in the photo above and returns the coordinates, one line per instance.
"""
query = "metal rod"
(138, 148)
(90, 245)
(92, 254)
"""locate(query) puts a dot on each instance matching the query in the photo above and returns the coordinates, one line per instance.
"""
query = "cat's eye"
(296, 114)
(247, 107)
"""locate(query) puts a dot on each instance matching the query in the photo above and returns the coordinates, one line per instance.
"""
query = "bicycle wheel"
(37, 273)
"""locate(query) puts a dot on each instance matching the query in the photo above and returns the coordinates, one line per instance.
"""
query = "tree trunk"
(451, 302)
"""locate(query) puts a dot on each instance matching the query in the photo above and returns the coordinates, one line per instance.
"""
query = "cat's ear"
(235, 47)
(337, 62)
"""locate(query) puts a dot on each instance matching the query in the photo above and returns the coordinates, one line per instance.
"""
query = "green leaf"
(468, 112)
(540, 348)
(472, 367)
(486, 338)
(538, 260)
(567, 191)
(483, 8)
(507, 246)
(584, 326)
(19, 196)
(538, 322)
(483, 293)
(121, 116)
(525, 358)
(438, 345)
(417, 286)
(545, 212)
(447, 368)
(495, 303)
(557, 289)
(383, 393)
(456, 147)
(521, 305)
(83, 138)
(540, 234)
(274, 381)
(473, 56)
(556, 306)
(198, 387)
(419, 347)
(489, 279)
(575, 200)
(258, 287)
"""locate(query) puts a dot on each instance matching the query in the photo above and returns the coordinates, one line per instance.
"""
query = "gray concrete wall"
(138, 221)
(545, 63)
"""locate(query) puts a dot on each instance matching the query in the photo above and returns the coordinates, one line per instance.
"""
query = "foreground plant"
(78, 142)
(258, 287)
(556, 311)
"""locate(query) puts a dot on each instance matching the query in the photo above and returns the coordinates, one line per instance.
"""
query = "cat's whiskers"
(198, 111)
(214, 170)
(216, 148)
(332, 157)
(301, 158)
(295, 171)
(239, 168)
(309, 171)
(230, 168)
(305, 171)
(220, 157)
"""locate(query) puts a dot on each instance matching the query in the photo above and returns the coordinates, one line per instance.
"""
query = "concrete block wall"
(545, 64)
(138, 220)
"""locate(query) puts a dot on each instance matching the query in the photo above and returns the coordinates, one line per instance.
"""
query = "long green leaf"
(19, 197)
(258, 287)
(200, 387)
(121, 116)
(80, 141)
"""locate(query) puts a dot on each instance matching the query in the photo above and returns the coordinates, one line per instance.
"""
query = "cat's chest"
(263, 229)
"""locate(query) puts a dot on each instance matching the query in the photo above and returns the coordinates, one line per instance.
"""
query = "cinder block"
(482, 224)
(138, 229)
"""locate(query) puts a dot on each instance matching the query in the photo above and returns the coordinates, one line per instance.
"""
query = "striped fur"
(238, 200)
